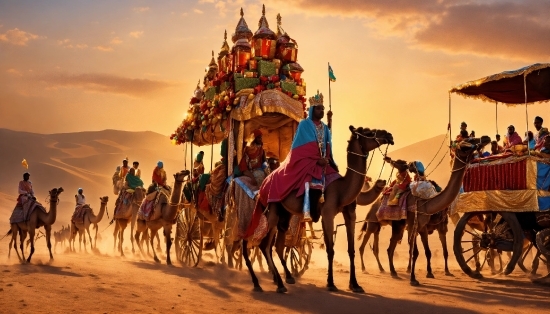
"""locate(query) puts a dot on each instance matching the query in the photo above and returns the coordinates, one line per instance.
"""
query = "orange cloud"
(66, 43)
(512, 30)
(136, 34)
(104, 48)
(17, 37)
(197, 11)
(141, 9)
(116, 41)
(105, 83)
(14, 72)
(518, 30)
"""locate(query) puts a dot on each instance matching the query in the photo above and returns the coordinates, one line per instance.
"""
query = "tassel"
(322, 198)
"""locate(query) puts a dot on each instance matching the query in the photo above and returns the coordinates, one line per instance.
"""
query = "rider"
(309, 162)
(253, 161)
(25, 190)
(80, 198)
(401, 182)
(135, 166)
(159, 175)
(198, 165)
(512, 138)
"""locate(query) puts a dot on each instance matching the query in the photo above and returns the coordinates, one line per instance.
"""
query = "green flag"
(331, 76)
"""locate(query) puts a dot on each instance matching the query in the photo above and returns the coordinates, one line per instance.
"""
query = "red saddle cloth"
(498, 176)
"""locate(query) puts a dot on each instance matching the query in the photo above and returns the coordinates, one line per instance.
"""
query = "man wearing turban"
(253, 161)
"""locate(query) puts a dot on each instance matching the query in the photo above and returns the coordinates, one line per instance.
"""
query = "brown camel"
(38, 219)
(84, 226)
(372, 226)
(338, 195)
(169, 211)
(417, 221)
(130, 215)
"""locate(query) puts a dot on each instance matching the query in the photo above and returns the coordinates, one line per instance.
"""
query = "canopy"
(508, 87)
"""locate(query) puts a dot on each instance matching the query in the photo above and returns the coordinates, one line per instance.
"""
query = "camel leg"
(80, 241)
(48, 229)
(249, 266)
(266, 246)
(279, 248)
(414, 249)
(258, 255)
(132, 224)
(22, 237)
(158, 240)
(95, 237)
(90, 237)
(349, 219)
(443, 239)
(328, 233)
(362, 247)
(115, 235)
(428, 252)
(151, 239)
(167, 234)
(31, 237)
(376, 247)
(397, 230)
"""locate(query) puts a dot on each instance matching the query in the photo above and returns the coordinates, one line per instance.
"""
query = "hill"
(73, 160)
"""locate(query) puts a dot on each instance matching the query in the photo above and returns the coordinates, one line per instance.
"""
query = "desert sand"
(102, 282)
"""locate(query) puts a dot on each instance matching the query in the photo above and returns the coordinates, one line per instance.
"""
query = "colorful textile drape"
(513, 184)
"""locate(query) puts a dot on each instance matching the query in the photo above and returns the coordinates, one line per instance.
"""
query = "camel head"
(104, 199)
(380, 184)
(180, 176)
(370, 139)
(466, 149)
(54, 193)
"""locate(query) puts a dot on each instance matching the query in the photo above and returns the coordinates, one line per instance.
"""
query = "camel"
(121, 222)
(372, 226)
(338, 195)
(425, 208)
(169, 212)
(37, 219)
(59, 237)
(84, 226)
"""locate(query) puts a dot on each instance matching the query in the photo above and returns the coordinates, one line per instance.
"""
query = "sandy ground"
(102, 282)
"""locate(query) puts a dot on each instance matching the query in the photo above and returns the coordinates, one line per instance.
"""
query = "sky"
(68, 66)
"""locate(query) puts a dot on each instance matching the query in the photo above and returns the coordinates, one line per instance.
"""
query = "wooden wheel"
(299, 256)
(189, 237)
(543, 242)
(530, 259)
(500, 232)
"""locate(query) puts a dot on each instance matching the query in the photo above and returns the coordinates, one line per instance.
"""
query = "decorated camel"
(38, 218)
(438, 222)
(418, 220)
(82, 224)
(338, 195)
(163, 215)
(125, 213)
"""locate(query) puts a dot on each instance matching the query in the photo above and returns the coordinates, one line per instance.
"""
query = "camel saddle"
(79, 212)
(22, 213)
(123, 205)
(393, 212)
(149, 209)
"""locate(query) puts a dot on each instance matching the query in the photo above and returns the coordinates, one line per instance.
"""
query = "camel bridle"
(364, 154)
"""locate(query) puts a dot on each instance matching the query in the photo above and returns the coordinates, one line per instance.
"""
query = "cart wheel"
(188, 238)
(502, 233)
(300, 256)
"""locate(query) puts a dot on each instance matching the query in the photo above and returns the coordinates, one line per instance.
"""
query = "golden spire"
(263, 28)
(242, 30)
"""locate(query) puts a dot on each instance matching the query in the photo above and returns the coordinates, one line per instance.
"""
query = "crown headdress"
(316, 100)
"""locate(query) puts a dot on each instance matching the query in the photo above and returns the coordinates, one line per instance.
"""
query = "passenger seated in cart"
(546, 148)
(253, 162)
(512, 138)
(495, 148)
(529, 140)
(541, 133)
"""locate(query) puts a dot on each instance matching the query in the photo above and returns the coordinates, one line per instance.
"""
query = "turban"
(160, 164)
(257, 133)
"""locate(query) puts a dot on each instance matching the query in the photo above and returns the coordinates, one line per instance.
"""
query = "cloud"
(184, 14)
(136, 34)
(501, 29)
(66, 43)
(17, 37)
(14, 72)
(104, 48)
(197, 11)
(105, 83)
(506, 29)
(116, 41)
(141, 9)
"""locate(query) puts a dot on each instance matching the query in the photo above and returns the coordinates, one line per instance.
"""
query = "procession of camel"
(342, 196)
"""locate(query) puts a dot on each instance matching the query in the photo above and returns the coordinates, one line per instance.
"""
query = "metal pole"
(496, 115)
(329, 100)
(526, 113)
